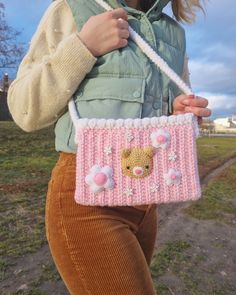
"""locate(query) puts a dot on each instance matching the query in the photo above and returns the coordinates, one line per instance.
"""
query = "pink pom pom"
(100, 178)
(173, 176)
(161, 139)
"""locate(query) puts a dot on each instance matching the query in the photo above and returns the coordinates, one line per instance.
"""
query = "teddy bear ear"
(150, 151)
(125, 153)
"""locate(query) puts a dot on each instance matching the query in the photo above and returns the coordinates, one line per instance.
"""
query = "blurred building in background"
(4, 111)
(225, 125)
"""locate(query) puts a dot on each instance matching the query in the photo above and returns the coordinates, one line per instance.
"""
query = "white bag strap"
(146, 48)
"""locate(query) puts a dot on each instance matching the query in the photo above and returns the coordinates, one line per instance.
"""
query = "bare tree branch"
(11, 52)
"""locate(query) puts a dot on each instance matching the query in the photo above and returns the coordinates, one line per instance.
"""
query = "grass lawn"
(213, 151)
(26, 160)
(219, 199)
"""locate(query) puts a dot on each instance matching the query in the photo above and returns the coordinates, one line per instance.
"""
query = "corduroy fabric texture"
(98, 250)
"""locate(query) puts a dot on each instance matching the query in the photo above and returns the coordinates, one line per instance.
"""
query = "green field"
(214, 151)
(26, 160)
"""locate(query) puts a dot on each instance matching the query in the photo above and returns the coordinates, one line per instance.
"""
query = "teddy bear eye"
(147, 167)
(128, 167)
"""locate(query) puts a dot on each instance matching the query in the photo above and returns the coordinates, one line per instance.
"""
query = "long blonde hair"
(185, 10)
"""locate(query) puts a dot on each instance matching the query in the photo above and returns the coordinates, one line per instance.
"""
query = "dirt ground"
(206, 266)
(212, 253)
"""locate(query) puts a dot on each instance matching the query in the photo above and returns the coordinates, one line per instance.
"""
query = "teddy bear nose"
(138, 170)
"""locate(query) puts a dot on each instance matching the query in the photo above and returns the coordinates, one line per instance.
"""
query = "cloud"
(220, 50)
(217, 23)
(220, 104)
(212, 62)
(215, 77)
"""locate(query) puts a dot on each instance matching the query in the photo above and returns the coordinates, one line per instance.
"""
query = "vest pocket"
(110, 97)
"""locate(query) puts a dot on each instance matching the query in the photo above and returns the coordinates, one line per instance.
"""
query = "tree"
(10, 51)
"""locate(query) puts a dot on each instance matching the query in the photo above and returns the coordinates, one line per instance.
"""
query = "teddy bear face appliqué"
(137, 162)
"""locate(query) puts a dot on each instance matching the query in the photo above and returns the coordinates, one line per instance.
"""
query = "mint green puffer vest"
(124, 83)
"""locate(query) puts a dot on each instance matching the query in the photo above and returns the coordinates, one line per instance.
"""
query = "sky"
(211, 47)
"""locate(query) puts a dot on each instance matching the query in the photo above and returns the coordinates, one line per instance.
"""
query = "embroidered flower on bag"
(160, 138)
(172, 177)
(172, 156)
(100, 178)
(154, 187)
(128, 191)
(108, 150)
(129, 136)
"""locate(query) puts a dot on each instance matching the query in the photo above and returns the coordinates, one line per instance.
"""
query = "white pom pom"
(145, 122)
(110, 123)
(163, 120)
(92, 123)
(101, 123)
(154, 121)
(83, 123)
(137, 122)
(129, 123)
(119, 123)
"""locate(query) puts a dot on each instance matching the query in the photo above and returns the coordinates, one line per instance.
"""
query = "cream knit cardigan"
(52, 69)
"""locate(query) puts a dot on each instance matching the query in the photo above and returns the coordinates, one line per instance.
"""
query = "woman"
(80, 49)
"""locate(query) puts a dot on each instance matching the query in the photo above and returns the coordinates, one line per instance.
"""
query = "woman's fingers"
(191, 104)
(177, 112)
(124, 34)
(199, 111)
(123, 24)
(199, 102)
(118, 13)
(111, 31)
(196, 102)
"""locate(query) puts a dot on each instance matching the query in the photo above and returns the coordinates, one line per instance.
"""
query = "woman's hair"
(183, 10)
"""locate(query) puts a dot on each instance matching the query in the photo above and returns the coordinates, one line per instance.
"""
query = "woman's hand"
(191, 104)
(105, 32)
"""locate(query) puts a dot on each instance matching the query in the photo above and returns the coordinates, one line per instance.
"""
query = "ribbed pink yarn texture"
(174, 175)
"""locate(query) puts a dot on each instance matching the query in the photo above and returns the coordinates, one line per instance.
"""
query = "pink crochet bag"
(128, 162)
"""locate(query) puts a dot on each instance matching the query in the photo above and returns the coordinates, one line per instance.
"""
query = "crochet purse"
(128, 162)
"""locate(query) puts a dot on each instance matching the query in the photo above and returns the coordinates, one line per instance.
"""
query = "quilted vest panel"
(124, 83)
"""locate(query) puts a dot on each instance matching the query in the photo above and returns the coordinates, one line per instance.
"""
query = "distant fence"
(216, 134)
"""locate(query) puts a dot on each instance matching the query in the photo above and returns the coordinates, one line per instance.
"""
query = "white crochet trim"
(181, 119)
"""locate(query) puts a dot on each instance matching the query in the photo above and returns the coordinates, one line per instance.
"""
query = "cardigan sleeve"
(50, 72)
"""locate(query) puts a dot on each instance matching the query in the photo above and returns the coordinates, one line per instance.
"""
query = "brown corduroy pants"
(98, 250)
